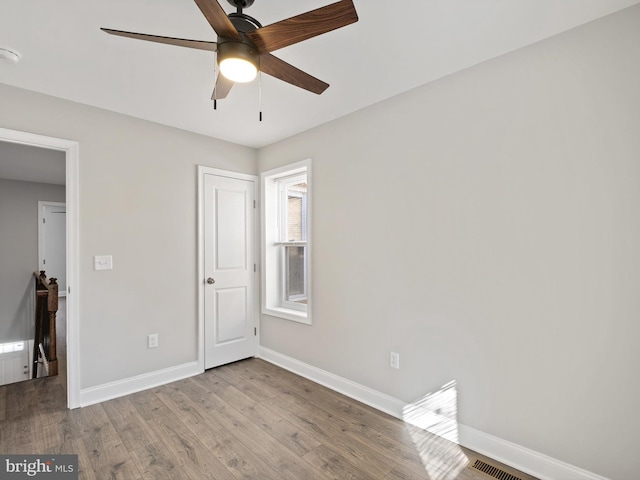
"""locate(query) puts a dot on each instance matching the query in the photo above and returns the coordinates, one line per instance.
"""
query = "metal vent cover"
(493, 471)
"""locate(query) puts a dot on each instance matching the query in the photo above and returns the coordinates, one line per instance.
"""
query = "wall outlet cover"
(152, 340)
(394, 360)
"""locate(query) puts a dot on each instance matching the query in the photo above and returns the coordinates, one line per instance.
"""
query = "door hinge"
(69, 290)
(44, 261)
(255, 330)
(254, 268)
(44, 220)
(254, 204)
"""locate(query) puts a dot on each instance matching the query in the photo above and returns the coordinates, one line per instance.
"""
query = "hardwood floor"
(247, 420)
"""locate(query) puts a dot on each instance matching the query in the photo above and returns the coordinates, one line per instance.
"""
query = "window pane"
(296, 212)
(295, 288)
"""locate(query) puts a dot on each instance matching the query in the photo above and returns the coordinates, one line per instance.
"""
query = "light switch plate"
(103, 262)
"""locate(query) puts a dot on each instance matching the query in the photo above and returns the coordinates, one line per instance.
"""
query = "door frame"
(202, 171)
(72, 188)
(41, 235)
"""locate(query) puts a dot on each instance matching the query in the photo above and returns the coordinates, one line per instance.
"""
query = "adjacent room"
(405, 246)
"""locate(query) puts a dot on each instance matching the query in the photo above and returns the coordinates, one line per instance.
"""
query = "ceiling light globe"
(238, 70)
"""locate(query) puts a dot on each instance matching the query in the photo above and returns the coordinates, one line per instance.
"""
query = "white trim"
(72, 188)
(288, 314)
(200, 267)
(202, 171)
(516, 456)
(354, 390)
(270, 287)
(127, 386)
(524, 459)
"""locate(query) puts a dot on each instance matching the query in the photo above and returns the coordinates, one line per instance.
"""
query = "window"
(292, 215)
(286, 245)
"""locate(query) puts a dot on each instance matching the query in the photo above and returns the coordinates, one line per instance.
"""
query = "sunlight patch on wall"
(433, 426)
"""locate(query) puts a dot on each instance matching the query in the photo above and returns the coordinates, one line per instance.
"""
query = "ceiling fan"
(244, 46)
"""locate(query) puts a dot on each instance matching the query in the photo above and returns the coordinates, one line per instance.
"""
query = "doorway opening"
(69, 149)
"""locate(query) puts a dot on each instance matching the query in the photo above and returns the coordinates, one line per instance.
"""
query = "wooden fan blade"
(218, 19)
(181, 42)
(222, 87)
(284, 71)
(302, 27)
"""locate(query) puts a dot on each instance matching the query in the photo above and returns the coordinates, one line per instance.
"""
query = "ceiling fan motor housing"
(241, 3)
(243, 22)
(233, 49)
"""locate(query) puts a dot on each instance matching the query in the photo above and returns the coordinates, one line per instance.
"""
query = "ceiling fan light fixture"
(238, 61)
(238, 69)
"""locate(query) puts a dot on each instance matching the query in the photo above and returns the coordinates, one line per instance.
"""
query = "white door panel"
(231, 245)
(229, 257)
(52, 238)
(232, 306)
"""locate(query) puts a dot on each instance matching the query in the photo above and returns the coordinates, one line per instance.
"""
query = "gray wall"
(19, 253)
(487, 227)
(138, 202)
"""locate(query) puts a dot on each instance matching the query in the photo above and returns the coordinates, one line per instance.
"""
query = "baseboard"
(516, 456)
(354, 390)
(521, 458)
(101, 393)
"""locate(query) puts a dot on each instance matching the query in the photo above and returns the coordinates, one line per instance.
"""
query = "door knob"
(210, 281)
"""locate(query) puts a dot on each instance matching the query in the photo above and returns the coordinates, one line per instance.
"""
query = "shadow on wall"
(432, 422)
(22, 326)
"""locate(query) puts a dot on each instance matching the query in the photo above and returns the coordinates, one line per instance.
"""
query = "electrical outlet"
(152, 340)
(394, 360)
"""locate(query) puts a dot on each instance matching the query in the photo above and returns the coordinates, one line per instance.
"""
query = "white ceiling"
(27, 163)
(396, 46)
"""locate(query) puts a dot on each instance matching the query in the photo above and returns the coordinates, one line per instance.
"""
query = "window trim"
(272, 246)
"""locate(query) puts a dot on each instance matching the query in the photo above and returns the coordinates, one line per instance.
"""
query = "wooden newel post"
(45, 335)
(52, 307)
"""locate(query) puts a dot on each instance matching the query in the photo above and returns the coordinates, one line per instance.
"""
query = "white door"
(14, 362)
(229, 270)
(53, 243)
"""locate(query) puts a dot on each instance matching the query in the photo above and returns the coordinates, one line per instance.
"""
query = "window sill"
(293, 315)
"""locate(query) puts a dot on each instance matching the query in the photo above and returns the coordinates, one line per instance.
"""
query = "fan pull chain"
(260, 92)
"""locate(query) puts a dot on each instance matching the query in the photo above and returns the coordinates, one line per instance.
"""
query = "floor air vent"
(492, 471)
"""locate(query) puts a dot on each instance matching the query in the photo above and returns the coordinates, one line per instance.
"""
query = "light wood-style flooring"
(246, 420)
